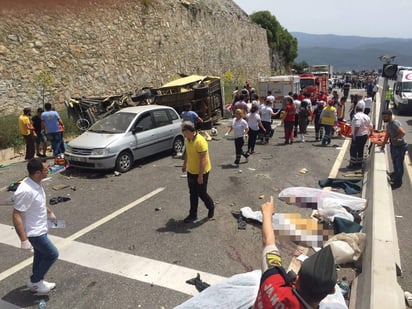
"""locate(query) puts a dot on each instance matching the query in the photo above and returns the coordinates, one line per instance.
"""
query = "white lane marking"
(408, 168)
(80, 233)
(6, 305)
(338, 162)
(130, 266)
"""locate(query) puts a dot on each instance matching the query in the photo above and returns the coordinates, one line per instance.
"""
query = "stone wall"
(111, 47)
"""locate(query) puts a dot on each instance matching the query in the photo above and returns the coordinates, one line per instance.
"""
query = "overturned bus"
(205, 93)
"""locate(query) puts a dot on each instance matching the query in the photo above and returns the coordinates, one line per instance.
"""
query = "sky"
(368, 18)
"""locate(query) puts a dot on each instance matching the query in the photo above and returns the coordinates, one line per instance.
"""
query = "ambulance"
(402, 90)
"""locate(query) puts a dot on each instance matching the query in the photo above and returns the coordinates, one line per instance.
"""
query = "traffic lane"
(231, 189)
(82, 287)
(238, 249)
(12, 171)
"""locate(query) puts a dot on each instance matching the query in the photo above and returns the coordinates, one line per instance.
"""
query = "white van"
(402, 90)
(280, 86)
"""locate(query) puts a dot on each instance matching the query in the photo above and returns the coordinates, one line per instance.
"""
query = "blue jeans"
(45, 254)
(55, 141)
(398, 155)
(328, 134)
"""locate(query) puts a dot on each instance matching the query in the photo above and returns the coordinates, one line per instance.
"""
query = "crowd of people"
(253, 117)
(317, 276)
(45, 126)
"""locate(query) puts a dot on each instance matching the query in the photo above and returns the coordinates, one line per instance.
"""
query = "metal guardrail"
(377, 285)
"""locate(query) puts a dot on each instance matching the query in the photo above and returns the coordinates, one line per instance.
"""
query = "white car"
(125, 136)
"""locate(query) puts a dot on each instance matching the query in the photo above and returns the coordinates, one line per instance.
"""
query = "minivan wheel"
(178, 145)
(124, 162)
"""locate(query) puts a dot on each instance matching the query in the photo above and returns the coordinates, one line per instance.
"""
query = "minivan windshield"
(115, 123)
(406, 86)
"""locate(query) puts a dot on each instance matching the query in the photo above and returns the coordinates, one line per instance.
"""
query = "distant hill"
(347, 53)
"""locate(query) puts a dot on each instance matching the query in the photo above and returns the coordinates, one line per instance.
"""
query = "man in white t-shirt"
(368, 103)
(30, 215)
(361, 128)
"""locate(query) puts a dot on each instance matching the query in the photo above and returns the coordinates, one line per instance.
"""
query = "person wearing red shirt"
(289, 120)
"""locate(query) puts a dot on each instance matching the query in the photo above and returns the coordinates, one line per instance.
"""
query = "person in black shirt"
(41, 138)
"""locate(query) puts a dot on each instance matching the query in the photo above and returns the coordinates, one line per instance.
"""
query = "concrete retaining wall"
(107, 47)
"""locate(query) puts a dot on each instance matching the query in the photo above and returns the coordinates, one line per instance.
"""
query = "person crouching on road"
(189, 115)
(240, 129)
(316, 278)
(197, 165)
(361, 128)
(328, 119)
(395, 135)
(30, 221)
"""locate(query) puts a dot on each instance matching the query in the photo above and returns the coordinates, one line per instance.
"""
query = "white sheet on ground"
(239, 292)
(306, 195)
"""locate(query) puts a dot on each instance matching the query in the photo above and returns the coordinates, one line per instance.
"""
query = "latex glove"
(52, 217)
(26, 245)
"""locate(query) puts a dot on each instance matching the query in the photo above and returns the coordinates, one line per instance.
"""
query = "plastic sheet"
(316, 198)
(240, 291)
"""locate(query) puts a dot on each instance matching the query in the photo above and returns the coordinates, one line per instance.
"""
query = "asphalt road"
(128, 246)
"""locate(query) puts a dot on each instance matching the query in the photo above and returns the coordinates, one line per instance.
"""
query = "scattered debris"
(59, 199)
(303, 171)
(60, 187)
(7, 165)
(198, 283)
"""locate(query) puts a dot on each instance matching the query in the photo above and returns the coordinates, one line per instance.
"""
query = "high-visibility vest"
(328, 115)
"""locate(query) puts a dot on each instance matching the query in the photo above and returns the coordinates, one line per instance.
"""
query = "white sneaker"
(50, 285)
(41, 287)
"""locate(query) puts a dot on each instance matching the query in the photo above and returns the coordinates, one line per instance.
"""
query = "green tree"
(43, 82)
(278, 37)
(300, 67)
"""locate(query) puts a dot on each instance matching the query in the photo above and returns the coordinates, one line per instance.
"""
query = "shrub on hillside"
(9, 130)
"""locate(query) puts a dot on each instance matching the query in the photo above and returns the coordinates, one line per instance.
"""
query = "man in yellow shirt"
(197, 165)
(26, 129)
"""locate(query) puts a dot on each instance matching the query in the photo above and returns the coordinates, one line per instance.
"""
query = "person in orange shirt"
(26, 130)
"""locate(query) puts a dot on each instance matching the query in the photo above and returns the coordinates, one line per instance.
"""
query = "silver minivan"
(125, 136)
